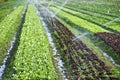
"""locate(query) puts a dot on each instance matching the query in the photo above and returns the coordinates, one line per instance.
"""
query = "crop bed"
(33, 59)
(82, 25)
(85, 63)
(94, 16)
(77, 56)
(8, 27)
(9, 6)
(111, 39)
(80, 22)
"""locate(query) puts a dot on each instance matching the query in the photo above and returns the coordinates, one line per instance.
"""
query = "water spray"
(50, 3)
(111, 21)
(80, 36)
(59, 9)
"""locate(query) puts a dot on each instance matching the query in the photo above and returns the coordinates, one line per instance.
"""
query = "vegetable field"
(60, 40)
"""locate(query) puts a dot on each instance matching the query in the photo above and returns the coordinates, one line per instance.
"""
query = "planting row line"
(11, 4)
(82, 62)
(85, 26)
(101, 8)
(91, 40)
(33, 59)
(107, 21)
(8, 27)
(95, 19)
(4, 12)
(89, 13)
(103, 44)
(80, 22)
(111, 39)
(7, 7)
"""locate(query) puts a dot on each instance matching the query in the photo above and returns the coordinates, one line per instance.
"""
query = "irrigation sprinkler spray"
(52, 3)
(79, 36)
(111, 21)
(59, 9)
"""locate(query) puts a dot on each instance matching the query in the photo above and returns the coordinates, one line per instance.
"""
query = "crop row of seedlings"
(33, 59)
(84, 64)
(93, 19)
(98, 20)
(111, 44)
(108, 16)
(92, 40)
(111, 39)
(11, 4)
(4, 12)
(105, 9)
(89, 13)
(8, 27)
(80, 22)
(7, 7)
(109, 26)
(85, 26)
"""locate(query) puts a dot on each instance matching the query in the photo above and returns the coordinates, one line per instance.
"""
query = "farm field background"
(60, 40)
